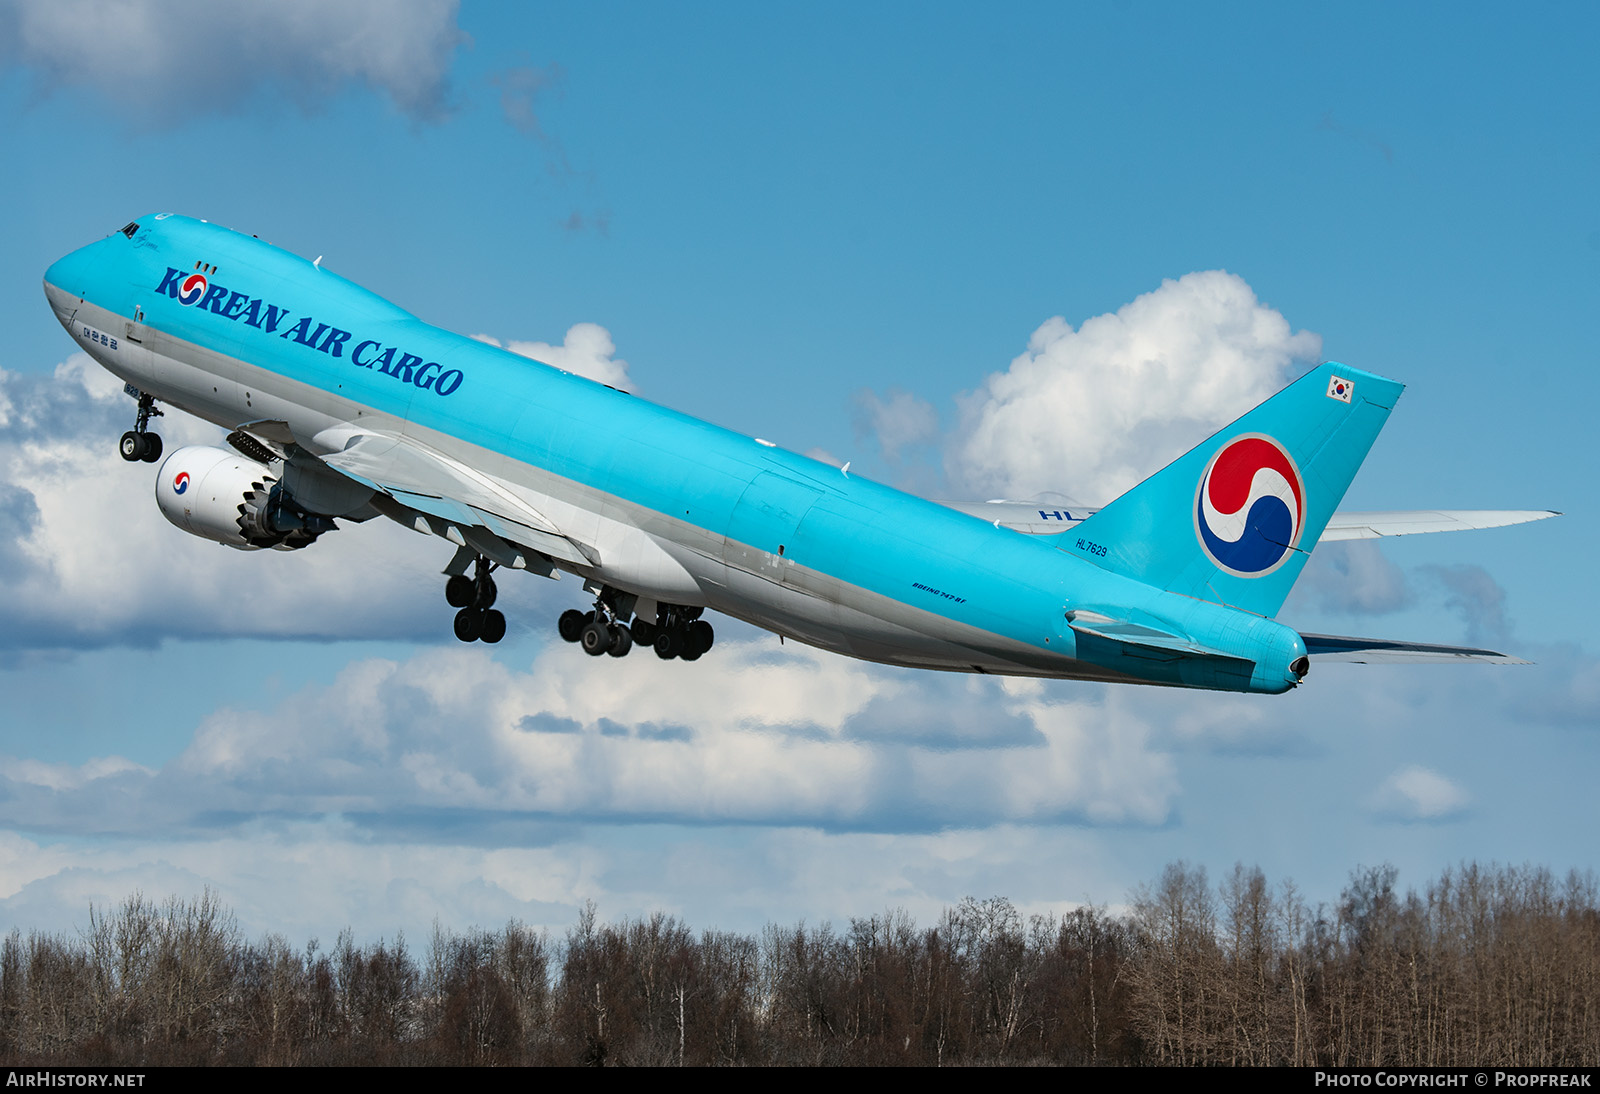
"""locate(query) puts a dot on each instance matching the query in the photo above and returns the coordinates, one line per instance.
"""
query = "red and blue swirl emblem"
(193, 288)
(1250, 507)
(181, 483)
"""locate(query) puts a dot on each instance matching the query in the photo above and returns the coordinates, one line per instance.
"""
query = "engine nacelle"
(225, 497)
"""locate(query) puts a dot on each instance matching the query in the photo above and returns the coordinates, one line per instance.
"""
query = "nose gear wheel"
(139, 443)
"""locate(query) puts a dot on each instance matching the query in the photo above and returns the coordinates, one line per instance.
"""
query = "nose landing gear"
(139, 443)
(475, 596)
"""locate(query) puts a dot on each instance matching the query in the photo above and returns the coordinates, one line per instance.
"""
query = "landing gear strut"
(475, 596)
(139, 443)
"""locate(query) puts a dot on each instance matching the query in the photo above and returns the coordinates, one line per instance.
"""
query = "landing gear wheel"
(469, 624)
(459, 591)
(570, 625)
(494, 626)
(644, 632)
(668, 644)
(699, 637)
(139, 443)
(621, 641)
(596, 638)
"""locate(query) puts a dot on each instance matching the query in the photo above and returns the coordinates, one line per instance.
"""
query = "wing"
(1036, 518)
(426, 490)
(1379, 651)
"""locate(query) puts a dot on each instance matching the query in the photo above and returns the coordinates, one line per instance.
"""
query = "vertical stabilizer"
(1234, 519)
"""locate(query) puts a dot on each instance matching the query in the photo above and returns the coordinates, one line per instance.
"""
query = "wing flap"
(556, 546)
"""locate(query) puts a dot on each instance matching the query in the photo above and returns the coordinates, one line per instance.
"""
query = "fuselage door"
(761, 532)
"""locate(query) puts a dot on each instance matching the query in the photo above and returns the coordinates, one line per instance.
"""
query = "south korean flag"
(1340, 388)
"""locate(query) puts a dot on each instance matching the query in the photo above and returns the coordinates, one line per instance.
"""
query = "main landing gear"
(139, 443)
(677, 632)
(475, 596)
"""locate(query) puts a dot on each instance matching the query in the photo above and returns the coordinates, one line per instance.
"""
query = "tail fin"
(1234, 519)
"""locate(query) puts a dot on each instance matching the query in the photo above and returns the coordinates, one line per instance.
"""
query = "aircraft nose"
(66, 282)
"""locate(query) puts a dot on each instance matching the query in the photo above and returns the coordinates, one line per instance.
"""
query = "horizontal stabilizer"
(1144, 639)
(1372, 525)
(1155, 654)
(1379, 651)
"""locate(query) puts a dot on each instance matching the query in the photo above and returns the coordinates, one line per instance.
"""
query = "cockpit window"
(133, 226)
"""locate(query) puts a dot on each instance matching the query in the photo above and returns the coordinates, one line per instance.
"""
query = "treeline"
(1497, 965)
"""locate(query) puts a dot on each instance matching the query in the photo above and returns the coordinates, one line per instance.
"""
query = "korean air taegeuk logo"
(192, 289)
(1250, 506)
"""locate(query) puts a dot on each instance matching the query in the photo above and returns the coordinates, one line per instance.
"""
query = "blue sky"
(969, 251)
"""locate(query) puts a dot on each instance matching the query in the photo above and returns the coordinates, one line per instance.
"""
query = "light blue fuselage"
(680, 511)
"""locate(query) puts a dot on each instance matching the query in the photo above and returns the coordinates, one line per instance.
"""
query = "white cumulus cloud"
(1093, 411)
(587, 351)
(899, 422)
(751, 734)
(1420, 794)
(169, 60)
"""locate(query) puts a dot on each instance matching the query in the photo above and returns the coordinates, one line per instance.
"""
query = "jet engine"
(225, 497)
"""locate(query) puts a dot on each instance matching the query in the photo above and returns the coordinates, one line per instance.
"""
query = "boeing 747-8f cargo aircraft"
(342, 406)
